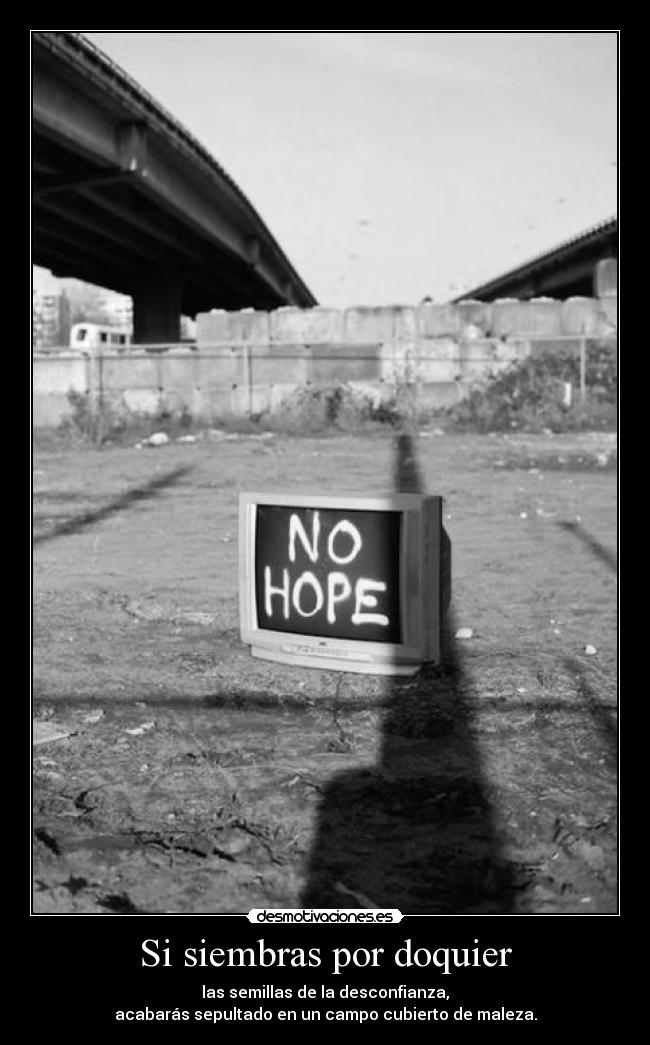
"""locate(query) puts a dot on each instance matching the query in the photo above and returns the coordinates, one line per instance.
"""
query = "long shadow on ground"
(598, 550)
(118, 504)
(416, 830)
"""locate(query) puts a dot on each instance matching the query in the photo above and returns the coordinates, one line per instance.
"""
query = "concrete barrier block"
(404, 322)
(580, 317)
(285, 323)
(60, 374)
(544, 317)
(436, 370)
(436, 360)
(220, 367)
(437, 395)
(138, 401)
(509, 316)
(606, 277)
(365, 324)
(214, 328)
(132, 371)
(474, 315)
(437, 320)
(278, 394)
(270, 364)
(178, 371)
(177, 400)
(478, 350)
(336, 364)
(609, 313)
(260, 399)
(211, 327)
(478, 360)
(307, 325)
(49, 410)
(396, 361)
(214, 403)
(250, 325)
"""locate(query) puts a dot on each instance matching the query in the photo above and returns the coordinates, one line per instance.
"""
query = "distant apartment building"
(117, 309)
(50, 318)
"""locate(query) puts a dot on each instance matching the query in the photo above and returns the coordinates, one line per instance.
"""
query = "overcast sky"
(392, 165)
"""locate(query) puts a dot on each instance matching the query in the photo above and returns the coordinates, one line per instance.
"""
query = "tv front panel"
(346, 583)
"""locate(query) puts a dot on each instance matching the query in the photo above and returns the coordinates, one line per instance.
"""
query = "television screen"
(327, 572)
(342, 582)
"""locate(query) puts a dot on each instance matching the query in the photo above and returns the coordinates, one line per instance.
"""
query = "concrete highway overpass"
(124, 197)
(584, 265)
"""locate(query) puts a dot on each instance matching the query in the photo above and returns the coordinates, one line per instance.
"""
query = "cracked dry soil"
(194, 778)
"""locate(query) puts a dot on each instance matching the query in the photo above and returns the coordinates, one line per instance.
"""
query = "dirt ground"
(193, 778)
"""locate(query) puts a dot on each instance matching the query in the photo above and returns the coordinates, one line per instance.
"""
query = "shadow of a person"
(415, 831)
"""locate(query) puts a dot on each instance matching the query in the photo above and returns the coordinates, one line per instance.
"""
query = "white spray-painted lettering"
(338, 589)
(296, 529)
(338, 586)
(362, 598)
(269, 591)
(344, 527)
(307, 578)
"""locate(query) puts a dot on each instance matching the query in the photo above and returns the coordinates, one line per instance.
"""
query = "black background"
(566, 969)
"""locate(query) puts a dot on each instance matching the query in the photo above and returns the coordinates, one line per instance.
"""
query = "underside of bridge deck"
(124, 198)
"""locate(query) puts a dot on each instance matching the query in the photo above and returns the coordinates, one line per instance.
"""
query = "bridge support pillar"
(606, 277)
(157, 308)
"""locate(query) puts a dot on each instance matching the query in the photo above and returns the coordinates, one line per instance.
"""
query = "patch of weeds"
(318, 409)
(108, 423)
(529, 395)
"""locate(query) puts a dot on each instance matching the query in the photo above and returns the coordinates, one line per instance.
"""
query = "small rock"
(464, 633)
(139, 730)
(186, 439)
(93, 716)
(157, 439)
(590, 650)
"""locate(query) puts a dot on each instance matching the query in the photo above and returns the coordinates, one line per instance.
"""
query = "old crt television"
(347, 583)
